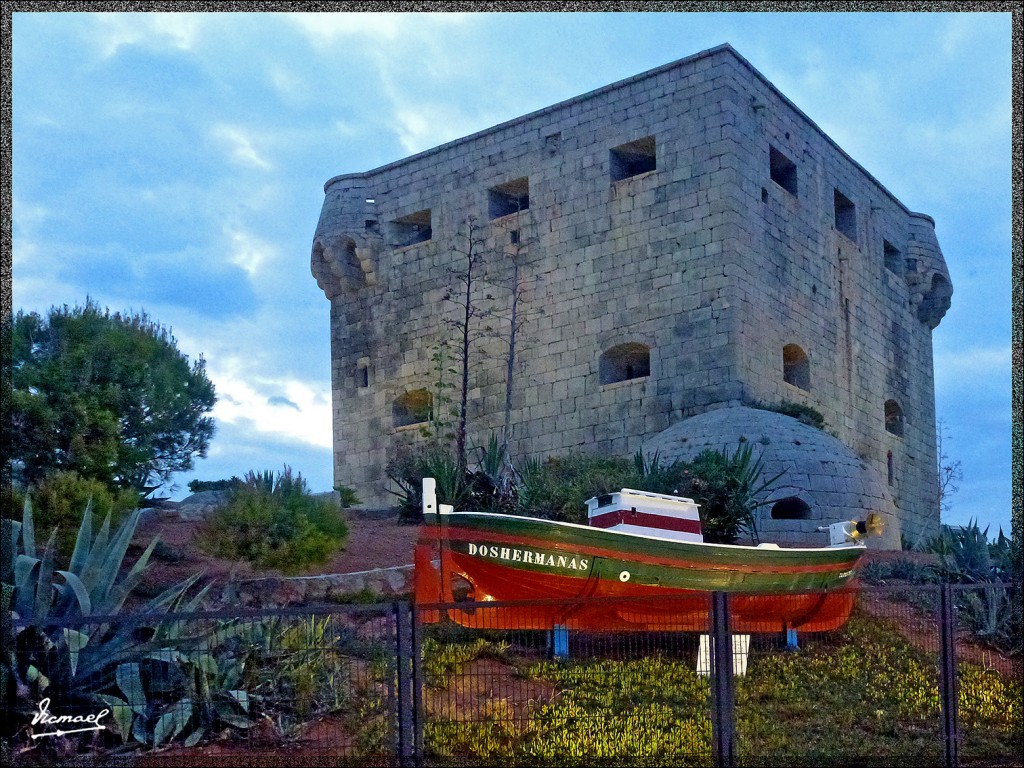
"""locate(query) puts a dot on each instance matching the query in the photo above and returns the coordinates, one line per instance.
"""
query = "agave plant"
(105, 660)
(408, 470)
(991, 610)
(186, 689)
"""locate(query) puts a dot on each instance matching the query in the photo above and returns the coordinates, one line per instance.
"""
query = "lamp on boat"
(851, 531)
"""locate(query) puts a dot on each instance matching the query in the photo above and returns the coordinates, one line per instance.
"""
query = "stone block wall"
(663, 271)
(858, 292)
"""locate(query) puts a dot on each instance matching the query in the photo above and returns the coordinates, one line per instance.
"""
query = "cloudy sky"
(175, 163)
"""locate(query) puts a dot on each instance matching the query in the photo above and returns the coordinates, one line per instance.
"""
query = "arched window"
(624, 362)
(792, 508)
(893, 418)
(412, 408)
(796, 366)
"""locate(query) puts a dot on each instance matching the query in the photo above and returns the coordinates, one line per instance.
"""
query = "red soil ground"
(373, 542)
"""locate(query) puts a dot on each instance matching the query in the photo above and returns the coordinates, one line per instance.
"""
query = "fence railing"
(911, 677)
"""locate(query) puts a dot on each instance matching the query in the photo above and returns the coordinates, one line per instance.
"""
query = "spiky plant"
(991, 610)
(58, 652)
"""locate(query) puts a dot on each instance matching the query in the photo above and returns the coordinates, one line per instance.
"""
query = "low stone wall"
(332, 587)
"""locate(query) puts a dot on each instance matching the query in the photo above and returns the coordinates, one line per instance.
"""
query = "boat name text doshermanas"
(530, 557)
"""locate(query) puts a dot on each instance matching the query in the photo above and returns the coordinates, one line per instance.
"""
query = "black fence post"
(723, 726)
(403, 641)
(948, 689)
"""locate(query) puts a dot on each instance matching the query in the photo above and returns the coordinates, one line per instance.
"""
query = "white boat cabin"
(649, 514)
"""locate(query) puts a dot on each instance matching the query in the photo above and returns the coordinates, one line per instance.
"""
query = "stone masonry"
(688, 240)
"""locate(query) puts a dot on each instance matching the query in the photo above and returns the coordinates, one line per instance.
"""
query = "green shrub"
(903, 569)
(729, 487)
(93, 664)
(59, 501)
(272, 521)
(12, 501)
(197, 486)
(805, 414)
(842, 697)
(347, 496)
(556, 489)
(411, 465)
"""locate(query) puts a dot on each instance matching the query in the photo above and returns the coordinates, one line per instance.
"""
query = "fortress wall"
(703, 259)
(639, 260)
(847, 299)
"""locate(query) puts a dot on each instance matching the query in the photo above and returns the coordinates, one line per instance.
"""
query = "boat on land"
(641, 564)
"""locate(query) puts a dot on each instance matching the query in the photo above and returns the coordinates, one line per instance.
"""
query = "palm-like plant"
(729, 488)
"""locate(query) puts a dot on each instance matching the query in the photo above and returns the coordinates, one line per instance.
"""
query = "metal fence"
(911, 678)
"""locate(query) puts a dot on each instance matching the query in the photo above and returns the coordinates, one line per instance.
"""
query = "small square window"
(513, 237)
(411, 229)
(633, 159)
(782, 170)
(845, 215)
(894, 260)
(506, 199)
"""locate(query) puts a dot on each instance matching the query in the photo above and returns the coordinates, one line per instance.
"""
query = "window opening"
(632, 159)
(412, 408)
(845, 215)
(890, 467)
(625, 362)
(796, 367)
(782, 170)
(894, 260)
(893, 418)
(412, 229)
(792, 508)
(506, 199)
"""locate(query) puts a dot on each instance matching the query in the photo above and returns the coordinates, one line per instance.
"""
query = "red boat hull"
(506, 597)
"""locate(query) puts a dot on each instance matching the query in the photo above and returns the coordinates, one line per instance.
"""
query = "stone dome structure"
(823, 482)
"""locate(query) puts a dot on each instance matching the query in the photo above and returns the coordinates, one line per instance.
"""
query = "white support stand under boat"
(740, 649)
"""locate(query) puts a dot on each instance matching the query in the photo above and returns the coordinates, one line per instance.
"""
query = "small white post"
(740, 649)
(429, 495)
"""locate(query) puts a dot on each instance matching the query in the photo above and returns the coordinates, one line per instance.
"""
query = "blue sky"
(175, 162)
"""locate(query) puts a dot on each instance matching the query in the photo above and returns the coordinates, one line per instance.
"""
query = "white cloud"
(179, 30)
(240, 146)
(415, 59)
(28, 215)
(963, 31)
(345, 129)
(247, 399)
(249, 252)
(424, 126)
(325, 28)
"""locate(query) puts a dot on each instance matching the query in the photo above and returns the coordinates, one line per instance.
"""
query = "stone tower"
(688, 241)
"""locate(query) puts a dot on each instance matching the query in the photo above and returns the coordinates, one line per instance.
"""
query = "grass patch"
(863, 693)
